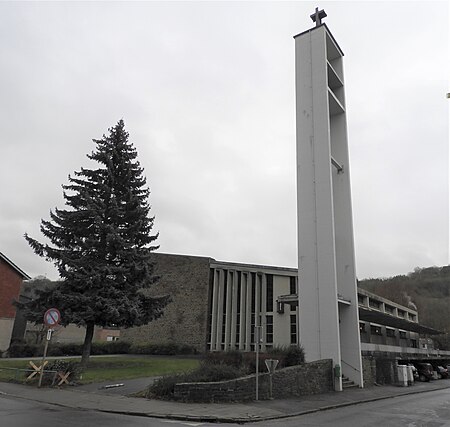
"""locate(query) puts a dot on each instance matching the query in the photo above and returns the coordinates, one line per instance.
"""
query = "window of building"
(292, 285)
(412, 317)
(269, 329)
(414, 343)
(253, 292)
(401, 313)
(390, 332)
(374, 303)
(111, 338)
(402, 334)
(361, 299)
(293, 290)
(238, 299)
(389, 309)
(362, 327)
(252, 329)
(375, 329)
(269, 293)
(293, 329)
(259, 293)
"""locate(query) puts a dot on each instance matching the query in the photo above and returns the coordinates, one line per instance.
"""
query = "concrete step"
(346, 383)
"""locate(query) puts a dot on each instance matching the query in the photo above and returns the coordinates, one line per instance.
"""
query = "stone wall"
(369, 371)
(384, 366)
(309, 378)
(186, 280)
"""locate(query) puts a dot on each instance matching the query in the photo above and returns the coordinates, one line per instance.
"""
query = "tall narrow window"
(293, 329)
(269, 329)
(293, 289)
(269, 293)
(292, 285)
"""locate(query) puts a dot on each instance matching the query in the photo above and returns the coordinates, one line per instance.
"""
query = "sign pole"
(257, 334)
(41, 373)
(51, 318)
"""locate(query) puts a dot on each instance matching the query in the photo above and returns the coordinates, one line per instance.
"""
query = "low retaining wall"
(309, 378)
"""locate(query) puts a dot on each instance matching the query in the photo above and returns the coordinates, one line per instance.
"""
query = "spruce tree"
(101, 244)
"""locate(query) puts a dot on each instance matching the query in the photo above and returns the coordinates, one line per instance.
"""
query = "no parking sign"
(52, 317)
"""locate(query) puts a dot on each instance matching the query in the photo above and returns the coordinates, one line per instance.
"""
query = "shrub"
(25, 350)
(161, 349)
(164, 387)
(61, 366)
(111, 347)
(231, 358)
(294, 355)
(287, 356)
(207, 372)
(65, 349)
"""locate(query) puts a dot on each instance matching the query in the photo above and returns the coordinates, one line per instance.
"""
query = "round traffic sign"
(52, 317)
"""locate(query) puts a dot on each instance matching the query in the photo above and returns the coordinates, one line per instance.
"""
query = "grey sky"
(207, 94)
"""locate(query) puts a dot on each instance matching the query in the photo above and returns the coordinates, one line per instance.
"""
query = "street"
(22, 413)
(418, 410)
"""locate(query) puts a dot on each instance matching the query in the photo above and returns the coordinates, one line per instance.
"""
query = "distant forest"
(427, 289)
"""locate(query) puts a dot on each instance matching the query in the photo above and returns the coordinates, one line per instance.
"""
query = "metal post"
(41, 373)
(257, 360)
(270, 386)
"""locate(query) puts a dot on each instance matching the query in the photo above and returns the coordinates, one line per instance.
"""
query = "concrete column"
(243, 324)
(257, 308)
(221, 286)
(263, 310)
(248, 312)
(234, 298)
(228, 309)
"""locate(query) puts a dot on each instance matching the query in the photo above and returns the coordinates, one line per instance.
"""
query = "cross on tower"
(317, 16)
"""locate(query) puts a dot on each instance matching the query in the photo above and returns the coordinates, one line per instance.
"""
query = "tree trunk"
(87, 345)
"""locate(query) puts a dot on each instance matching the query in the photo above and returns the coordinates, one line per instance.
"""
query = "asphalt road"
(21, 413)
(430, 409)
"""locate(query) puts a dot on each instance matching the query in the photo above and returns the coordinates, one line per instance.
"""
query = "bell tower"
(329, 321)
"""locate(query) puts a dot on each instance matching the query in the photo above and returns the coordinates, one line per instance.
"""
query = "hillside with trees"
(427, 289)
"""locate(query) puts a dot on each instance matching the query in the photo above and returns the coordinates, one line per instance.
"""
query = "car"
(424, 371)
(441, 372)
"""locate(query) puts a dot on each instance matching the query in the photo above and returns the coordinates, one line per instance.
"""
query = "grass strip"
(112, 368)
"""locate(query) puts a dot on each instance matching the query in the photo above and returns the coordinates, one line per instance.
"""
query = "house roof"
(14, 267)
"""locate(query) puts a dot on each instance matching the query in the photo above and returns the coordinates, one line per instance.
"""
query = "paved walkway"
(96, 398)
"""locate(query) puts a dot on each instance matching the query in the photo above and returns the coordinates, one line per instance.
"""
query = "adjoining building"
(35, 334)
(11, 278)
(216, 306)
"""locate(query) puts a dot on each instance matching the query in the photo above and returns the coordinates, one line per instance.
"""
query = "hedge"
(98, 348)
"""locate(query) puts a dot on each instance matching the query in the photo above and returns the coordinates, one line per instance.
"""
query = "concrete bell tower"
(328, 301)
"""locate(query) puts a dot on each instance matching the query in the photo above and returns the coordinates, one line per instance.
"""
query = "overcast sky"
(207, 93)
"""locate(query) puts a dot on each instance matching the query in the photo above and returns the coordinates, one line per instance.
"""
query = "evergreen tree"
(101, 245)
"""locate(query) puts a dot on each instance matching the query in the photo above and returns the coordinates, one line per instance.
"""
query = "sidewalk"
(97, 400)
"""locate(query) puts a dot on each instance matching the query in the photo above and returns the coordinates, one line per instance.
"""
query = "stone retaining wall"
(309, 378)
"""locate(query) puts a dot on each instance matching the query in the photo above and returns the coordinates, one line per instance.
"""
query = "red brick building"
(11, 278)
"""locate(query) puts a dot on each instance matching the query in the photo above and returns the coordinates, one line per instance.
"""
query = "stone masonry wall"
(186, 280)
(369, 371)
(309, 378)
